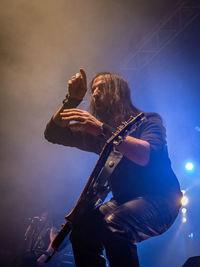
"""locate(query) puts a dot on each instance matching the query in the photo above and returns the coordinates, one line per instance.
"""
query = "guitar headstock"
(126, 128)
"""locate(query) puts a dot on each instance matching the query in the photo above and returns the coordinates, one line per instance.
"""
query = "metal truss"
(168, 29)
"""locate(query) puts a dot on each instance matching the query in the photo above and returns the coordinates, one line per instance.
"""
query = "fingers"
(75, 79)
(77, 85)
(70, 85)
(74, 111)
(77, 119)
(83, 74)
(78, 77)
(73, 118)
(74, 115)
(76, 82)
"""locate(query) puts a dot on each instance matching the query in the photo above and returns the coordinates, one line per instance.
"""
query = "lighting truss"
(167, 30)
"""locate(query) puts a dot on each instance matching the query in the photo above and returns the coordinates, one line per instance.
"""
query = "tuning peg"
(120, 138)
(117, 142)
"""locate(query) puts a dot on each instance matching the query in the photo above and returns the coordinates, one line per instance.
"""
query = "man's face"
(100, 96)
(44, 216)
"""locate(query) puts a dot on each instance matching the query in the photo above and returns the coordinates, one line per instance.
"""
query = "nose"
(96, 92)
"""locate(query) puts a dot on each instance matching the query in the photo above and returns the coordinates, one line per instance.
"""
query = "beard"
(110, 113)
(109, 116)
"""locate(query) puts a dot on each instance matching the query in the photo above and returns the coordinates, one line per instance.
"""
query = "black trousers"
(118, 228)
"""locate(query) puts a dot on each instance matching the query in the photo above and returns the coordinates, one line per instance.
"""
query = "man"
(146, 193)
(38, 237)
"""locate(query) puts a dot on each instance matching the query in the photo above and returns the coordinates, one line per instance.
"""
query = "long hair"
(120, 107)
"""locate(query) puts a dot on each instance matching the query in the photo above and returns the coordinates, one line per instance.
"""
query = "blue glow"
(189, 166)
(184, 210)
(184, 200)
(191, 235)
(184, 220)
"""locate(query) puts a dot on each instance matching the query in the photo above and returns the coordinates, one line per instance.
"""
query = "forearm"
(77, 87)
(56, 130)
(136, 150)
(68, 103)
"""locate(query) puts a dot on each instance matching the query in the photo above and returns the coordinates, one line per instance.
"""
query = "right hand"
(41, 260)
(77, 86)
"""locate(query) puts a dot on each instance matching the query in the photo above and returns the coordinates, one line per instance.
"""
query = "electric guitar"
(97, 186)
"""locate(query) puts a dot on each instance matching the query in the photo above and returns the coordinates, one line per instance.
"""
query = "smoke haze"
(42, 44)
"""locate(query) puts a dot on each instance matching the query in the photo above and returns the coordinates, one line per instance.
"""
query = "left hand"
(77, 86)
(83, 121)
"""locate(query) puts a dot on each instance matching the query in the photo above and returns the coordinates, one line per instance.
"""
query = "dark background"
(153, 44)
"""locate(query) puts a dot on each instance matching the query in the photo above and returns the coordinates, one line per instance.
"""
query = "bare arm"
(136, 150)
(43, 257)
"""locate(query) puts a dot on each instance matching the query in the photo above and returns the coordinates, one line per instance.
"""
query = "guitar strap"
(103, 180)
(111, 163)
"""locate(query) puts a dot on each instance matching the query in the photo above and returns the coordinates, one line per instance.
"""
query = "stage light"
(184, 220)
(184, 200)
(191, 235)
(184, 210)
(189, 166)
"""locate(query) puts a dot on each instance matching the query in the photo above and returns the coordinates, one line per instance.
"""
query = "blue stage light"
(189, 166)
(184, 210)
(184, 220)
(191, 235)
(184, 201)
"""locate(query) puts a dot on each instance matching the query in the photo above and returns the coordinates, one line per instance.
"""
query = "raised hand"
(77, 85)
(81, 120)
